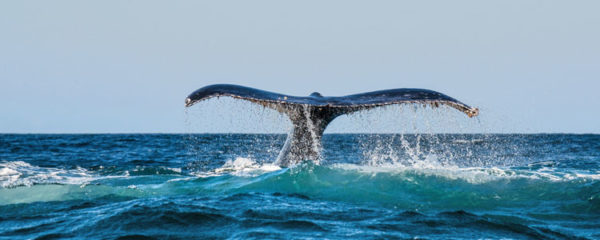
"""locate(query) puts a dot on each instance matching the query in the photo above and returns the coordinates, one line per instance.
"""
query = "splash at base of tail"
(310, 115)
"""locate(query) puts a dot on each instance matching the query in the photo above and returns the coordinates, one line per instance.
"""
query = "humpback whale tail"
(310, 115)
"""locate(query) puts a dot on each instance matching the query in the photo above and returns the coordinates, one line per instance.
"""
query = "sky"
(127, 66)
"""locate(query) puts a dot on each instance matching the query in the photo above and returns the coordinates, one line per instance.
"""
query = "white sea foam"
(470, 141)
(240, 166)
(473, 175)
(19, 173)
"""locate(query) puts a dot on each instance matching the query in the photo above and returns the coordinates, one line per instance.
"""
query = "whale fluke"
(310, 115)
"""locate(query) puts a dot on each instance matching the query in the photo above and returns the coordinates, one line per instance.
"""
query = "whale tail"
(310, 115)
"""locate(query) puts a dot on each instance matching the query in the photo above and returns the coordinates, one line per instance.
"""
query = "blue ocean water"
(367, 186)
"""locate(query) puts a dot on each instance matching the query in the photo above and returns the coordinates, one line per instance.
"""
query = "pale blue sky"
(126, 66)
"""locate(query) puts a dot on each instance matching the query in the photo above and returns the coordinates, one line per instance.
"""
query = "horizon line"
(264, 133)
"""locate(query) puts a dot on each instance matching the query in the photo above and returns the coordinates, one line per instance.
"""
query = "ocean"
(366, 186)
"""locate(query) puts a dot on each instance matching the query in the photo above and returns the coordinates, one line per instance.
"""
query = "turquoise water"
(367, 186)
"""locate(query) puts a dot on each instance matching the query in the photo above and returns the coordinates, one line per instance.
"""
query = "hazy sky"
(127, 66)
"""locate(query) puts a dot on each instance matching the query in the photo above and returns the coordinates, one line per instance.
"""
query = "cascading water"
(312, 129)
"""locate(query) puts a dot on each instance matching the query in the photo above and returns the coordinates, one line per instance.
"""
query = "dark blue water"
(366, 187)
